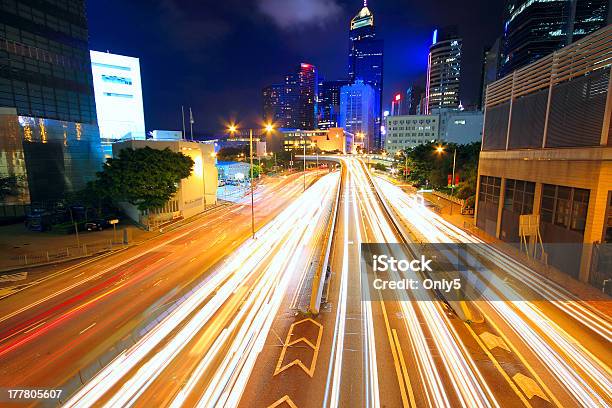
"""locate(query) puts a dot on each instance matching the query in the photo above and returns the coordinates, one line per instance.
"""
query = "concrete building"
(167, 134)
(333, 140)
(403, 132)
(460, 127)
(547, 151)
(194, 193)
(118, 94)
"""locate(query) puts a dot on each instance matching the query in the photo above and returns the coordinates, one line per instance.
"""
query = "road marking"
(286, 400)
(404, 370)
(34, 327)
(529, 386)
(315, 348)
(87, 328)
(14, 277)
(524, 361)
(498, 366)
(493, 341)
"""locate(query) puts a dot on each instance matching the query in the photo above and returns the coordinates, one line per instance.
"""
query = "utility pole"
(191, 121)
(183, 116)
(453, 180)
(304, 143)
(252, 198)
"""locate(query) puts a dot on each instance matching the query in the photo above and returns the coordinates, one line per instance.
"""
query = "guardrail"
(319, 281)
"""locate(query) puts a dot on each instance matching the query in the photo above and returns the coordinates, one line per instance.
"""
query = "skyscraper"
(536, 28)
(272, 103)
(443, 71)
(366, 61)
(307, 99)
(329, 103)
(490, 68)
(293, 104)
(357, 107)
(49, 138)
(46, 70)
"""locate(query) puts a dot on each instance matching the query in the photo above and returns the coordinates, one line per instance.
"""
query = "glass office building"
(366, 61)
(49, 137)
(535, 28)
(48, 157)
(443, 71)
(357, 107)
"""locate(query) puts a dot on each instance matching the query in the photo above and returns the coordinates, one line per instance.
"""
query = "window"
(490, 188)
(565, 206)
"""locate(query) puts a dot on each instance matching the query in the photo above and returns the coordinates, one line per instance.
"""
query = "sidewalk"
(581, 290)
(18, 244)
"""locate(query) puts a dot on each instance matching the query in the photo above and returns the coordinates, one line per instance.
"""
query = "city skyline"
(216, 90)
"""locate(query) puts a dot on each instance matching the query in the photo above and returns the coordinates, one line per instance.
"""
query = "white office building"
(406, 131)
(118, 94)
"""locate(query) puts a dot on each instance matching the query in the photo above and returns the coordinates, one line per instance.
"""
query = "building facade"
(45, 69)
(308, 86)
(357, 113)
(406, 131)
(333, 140)
(547, 151)
(273, 103)
(49, 139)
(490, 69)
(443, 71)
(118, 95)
(329, 103)
(461, 127)
(49, 158)
(366, 62)
(534, 29)
(194, 193)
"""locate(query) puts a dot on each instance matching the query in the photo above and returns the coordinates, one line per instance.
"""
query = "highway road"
(62, 329)
(206, 317)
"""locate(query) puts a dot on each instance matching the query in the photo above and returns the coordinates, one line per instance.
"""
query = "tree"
(9, 186)
(146, 178)
(380, 167)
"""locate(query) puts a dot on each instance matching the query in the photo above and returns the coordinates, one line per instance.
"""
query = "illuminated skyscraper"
(329, 103)
(272, 103)
(366, 61)
(357, 107)
(293, 104)
(536, 28)
(308, 85)
(443, 71)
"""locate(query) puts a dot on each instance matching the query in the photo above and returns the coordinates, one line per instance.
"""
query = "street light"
(268, 128)
(440, 150)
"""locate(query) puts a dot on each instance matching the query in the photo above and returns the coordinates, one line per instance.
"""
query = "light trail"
(467, 381)
(206, 300)
(437, 230)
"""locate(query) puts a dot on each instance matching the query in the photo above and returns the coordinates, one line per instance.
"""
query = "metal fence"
(62, 254)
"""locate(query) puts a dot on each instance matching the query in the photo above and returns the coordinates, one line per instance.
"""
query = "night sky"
(215, 56)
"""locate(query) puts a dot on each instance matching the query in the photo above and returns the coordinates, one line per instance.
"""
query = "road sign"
(113, 222)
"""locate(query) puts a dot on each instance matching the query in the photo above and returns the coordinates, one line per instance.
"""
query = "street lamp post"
(268, 128)
(440, 150)
(252, 198)
(304, 144)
